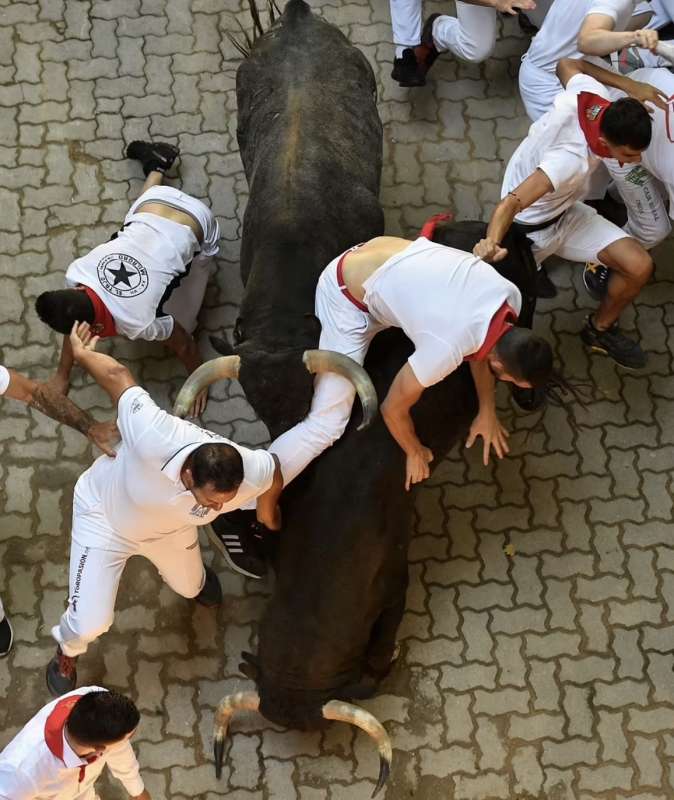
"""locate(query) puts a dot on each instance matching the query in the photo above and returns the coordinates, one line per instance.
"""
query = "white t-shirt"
(30, 771)
(556, 144)
(658, 158)
(131, 273)
(4, 379)
(558, 36)
(443, 299)
(140, 493)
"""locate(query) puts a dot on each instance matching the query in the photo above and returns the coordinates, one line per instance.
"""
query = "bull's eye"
(238, 333)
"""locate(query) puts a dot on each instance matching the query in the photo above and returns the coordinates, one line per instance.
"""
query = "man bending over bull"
(168, 477)
(453, 306)
(148, 281)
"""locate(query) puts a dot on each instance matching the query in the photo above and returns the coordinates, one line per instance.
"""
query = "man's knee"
(639, 266)
(86, 628)
(476, 52)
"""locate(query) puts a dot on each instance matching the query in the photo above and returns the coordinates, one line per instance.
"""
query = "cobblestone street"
(538, 645)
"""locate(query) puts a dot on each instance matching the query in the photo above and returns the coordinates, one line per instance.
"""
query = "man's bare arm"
(45, 398)
(268, 511)
(533, 188)
(597, 36)
(113, 377)
(643, 92)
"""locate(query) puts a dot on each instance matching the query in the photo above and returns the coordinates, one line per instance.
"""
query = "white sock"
(399, 50)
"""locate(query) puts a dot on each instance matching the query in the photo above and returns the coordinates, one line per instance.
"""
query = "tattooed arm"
(46, 399)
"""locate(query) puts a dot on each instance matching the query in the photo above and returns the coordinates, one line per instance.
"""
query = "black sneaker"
(61, 674)
(545, 288)
(407, 71)
(240, 538)
(154, 156)
(211, 592)
(6, 637)
(614, 344)
(595, 278)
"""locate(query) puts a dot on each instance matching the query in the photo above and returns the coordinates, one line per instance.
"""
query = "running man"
(168, 477)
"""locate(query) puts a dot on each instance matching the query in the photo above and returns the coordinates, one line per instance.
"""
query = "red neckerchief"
(53, 730)
(429, 226)
(103, 324)
(591, 109)
(503, 320)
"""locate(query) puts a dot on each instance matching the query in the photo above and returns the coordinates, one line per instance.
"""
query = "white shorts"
(185, 302)
(95, 574)
(580, 235)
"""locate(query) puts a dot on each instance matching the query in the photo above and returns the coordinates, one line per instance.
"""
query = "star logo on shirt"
(122, 275)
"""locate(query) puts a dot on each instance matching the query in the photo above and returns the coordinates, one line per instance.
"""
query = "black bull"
(310, 140)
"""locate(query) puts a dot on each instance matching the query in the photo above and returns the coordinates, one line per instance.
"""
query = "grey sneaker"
(613, 343)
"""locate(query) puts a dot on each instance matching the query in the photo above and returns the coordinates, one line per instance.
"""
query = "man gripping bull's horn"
(453, 306)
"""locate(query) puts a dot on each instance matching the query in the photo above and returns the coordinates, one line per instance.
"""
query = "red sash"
(53, 730)
(591, 109)
(503, 320)
(103, 324)
(429, 226)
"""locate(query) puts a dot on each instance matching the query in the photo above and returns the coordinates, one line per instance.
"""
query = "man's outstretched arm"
(113, 377)
(46, 399)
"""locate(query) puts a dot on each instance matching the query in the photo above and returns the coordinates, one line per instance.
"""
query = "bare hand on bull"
(645, 93)
(417, 469)
(199, 405)
(513, 6)
(487, 425)
(105, 435)
(489, 250)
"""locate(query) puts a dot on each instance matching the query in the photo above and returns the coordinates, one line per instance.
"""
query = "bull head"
(333, 710)
(315, 361)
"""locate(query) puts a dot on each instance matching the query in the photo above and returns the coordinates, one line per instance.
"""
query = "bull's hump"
(291, 161)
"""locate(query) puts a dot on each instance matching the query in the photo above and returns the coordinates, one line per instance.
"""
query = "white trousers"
(95, 574)
(580, 235)
(185, 302)
(645, 198)
(471, 35)
(345, 329)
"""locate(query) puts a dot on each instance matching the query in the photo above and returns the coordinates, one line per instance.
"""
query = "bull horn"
(347, 712)
(239, 701)
(214, 370)
(331, 361)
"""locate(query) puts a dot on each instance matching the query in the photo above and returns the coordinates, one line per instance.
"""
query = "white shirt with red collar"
(140, 492)
(556, 145)
(39, 764)
(444, 299)
(4, 379)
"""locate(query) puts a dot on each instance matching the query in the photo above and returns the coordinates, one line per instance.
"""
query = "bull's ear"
(221, 345)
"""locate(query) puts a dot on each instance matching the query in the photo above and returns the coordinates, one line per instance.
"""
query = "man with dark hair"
(44, 397)
(148, 281)
(62, 751)
(452, 306)
(548, 176)
(168, 477)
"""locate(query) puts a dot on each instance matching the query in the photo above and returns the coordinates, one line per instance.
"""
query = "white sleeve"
(4, 379)
(137, 413)
(258, 468)
(15, 785)
(584, 83)
(123, 764)
(612, 8)
(433, 359)
(562, 165)
(157, 331)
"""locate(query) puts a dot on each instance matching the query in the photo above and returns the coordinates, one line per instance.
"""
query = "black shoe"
(6, 637)
(545, 288)
(211, 592)
(615, 344)
(240, 539)
(529, 399)
(426, 53)
(407, 71)
(154, 156)
(61, 674)
(595, 278)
